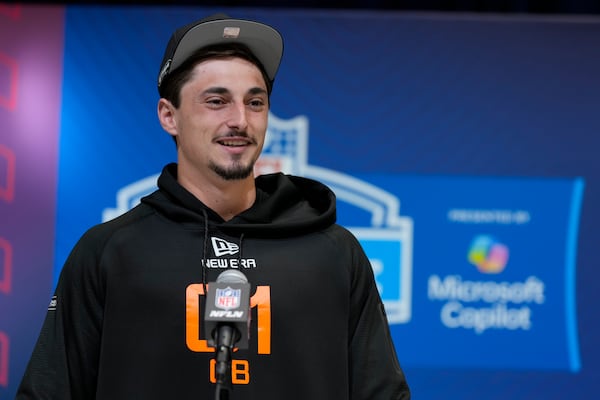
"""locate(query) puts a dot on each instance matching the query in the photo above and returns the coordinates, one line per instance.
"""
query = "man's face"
(221, 123)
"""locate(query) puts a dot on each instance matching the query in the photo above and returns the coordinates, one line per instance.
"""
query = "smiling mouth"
(233, 143)
(235, 140)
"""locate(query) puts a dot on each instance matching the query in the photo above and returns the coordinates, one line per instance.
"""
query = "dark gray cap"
(263, 41)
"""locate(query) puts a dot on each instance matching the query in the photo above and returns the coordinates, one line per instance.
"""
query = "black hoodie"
(126, 319)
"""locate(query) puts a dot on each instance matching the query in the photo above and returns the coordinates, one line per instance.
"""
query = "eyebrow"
(222, 90)
(216, 90)
(257, 90)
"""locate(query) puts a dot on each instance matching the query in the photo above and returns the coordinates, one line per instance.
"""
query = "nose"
(238, 119)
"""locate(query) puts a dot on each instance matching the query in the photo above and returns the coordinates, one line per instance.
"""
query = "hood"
(285, 205)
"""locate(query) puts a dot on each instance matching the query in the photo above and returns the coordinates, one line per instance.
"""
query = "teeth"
(233, 143)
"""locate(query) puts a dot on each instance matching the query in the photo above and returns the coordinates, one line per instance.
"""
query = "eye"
(257, 104)
(215, 101)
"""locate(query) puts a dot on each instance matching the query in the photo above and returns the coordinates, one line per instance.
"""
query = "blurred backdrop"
(461, 139)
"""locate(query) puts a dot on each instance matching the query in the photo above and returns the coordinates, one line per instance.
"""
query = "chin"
(234, 172)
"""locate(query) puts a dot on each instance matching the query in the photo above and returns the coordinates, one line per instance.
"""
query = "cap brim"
(262, 40)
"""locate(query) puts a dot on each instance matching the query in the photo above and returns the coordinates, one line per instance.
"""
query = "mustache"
(237, 134)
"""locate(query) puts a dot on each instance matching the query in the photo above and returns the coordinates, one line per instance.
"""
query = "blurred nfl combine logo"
(387, 240)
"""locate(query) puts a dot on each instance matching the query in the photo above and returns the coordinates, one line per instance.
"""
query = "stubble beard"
(237, 171)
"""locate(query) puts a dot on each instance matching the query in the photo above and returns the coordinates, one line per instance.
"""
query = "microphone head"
(232, 276)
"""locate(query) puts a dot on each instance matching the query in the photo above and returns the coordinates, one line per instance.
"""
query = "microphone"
(228, 306)
(227, 323)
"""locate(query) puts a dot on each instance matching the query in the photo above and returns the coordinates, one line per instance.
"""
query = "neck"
(226, 198)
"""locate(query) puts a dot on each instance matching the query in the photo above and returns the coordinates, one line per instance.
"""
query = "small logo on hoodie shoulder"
(53, 303)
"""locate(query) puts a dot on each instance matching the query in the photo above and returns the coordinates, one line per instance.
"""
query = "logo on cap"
(231, 32)
(164, 71)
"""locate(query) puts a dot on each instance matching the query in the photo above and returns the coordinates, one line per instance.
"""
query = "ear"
(166, 116)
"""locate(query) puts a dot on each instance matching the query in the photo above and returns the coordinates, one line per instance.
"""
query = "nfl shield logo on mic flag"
(228, 298)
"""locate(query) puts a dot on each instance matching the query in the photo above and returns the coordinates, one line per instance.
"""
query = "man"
(127, 318)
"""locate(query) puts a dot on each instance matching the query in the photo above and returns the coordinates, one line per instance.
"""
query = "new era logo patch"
(222, 247)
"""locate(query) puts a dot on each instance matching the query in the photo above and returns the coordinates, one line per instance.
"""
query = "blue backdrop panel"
(493, 271)
(462, 150)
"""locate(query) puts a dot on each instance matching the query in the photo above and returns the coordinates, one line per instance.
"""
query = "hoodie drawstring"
(204, 250)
